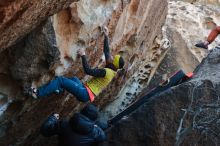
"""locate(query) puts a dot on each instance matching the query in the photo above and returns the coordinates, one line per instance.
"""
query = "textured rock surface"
(133, 26)
(186, 114)
(193, 23)
(138, 81)
(185, 25)
(135, 33)
(179, 57)
(35, 55)
(18, 18)
(204, 2)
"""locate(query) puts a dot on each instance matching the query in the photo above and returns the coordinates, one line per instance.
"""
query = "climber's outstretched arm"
(87, 69)
(106, 50)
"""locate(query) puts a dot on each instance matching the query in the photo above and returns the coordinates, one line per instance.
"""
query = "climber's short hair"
(121, 62)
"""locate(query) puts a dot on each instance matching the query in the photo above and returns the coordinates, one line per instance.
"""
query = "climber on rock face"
(84, 92)
(212, 36)
(82, 129)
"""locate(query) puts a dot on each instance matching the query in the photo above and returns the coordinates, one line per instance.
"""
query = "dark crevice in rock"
(34, 55)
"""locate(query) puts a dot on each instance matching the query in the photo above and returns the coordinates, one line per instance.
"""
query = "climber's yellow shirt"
(97, 84)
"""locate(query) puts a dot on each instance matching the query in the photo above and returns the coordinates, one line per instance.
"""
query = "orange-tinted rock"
(18, 18)
(133, 27)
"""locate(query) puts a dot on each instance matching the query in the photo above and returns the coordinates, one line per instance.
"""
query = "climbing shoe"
(203, 45)
(32, 92)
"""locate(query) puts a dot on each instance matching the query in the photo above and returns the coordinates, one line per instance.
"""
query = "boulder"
(18, 18)
(35, 55)
(133, 26)
(183, 115)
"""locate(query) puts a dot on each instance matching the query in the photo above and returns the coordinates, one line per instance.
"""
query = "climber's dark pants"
(59, 84)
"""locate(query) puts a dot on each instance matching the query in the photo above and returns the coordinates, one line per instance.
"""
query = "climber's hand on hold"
(81, 52)
(105, 30)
